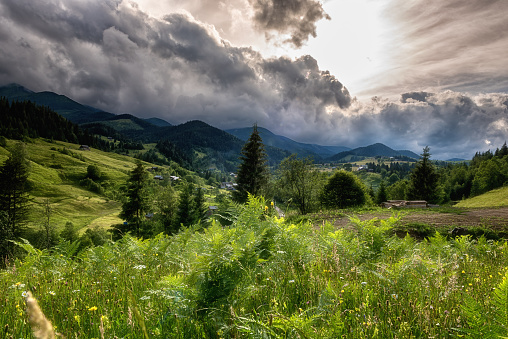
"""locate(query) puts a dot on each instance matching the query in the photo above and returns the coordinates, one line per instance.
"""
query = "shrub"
(343, 190)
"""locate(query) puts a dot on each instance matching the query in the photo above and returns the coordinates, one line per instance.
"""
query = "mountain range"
(195, 136)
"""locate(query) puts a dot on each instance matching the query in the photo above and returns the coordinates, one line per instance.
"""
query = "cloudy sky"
(407, 73)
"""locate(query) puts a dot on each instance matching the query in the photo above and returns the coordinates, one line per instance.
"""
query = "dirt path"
(493, 218)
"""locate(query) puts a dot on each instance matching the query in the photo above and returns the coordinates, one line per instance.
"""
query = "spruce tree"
(184, 213)
(381, 195)
(424, 180)
(253, 171)
(14, 187)
(133, 210)
(14, 199)
(199, 205)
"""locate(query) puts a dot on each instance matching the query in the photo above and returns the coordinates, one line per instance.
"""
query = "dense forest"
(24, 119)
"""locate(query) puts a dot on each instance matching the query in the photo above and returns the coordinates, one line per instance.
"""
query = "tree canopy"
(343, 189)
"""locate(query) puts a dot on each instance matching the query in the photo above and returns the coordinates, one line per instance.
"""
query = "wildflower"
(24, 294)
(341, 291)
(52, 293)
(463, 271)
(364, 283)
(266, 208)
(93, 308)
(139, 267)
(395, 296)
(291, 281)
(271, 203)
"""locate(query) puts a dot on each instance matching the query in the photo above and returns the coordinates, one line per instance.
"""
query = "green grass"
(494, 198)
(263, 278)
(55, 176)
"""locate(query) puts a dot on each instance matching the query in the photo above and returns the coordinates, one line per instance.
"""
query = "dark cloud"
(114, 56)
(294, 17)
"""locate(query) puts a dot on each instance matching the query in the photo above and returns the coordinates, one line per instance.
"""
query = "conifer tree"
(424, 179)
(381, 195)
(133, 210)
(199, 205)
(14, 187)
(253, 171)
(184, 213)
(14, 199)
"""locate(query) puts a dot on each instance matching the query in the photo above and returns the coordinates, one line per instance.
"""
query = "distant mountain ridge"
(193, 135)
(285, 143)
(66, 107)
(374, 150)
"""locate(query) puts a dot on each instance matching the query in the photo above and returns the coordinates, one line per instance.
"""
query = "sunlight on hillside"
(494, 198)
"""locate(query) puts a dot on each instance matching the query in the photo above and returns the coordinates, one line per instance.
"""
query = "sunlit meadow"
(263, 278)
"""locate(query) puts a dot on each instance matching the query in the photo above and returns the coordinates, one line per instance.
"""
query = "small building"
(158, 177)
(174, 178)
(84, 148)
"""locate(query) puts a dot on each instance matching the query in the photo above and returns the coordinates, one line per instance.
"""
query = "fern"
(483, 324)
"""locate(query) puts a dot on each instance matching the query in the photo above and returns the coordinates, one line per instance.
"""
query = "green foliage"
(252, 173)
(300, 183)
(14, 199)
(93, 172)
(133, 210)
(490, 175)
(261, 277)
(69, 232)
(424, 180)
(382, 194)
(343, 190)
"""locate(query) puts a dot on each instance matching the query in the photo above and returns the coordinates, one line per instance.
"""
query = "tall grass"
(263, 278)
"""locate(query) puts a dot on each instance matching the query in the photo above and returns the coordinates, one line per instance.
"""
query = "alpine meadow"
(253, 169)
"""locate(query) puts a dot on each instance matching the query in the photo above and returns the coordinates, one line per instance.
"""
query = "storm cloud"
(296, 17)
(114, 56)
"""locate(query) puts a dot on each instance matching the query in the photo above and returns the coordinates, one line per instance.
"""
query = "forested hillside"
(26, 119)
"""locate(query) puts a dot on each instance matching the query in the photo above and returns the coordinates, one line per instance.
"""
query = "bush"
(343, 190)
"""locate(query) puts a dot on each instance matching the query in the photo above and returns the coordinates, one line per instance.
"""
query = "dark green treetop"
(253, 171)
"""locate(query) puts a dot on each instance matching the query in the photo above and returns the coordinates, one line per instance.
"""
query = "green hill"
(494, 198)
(56, 171)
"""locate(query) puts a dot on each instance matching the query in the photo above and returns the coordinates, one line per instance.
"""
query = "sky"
(406, 73)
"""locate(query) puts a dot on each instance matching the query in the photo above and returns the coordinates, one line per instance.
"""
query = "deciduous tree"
(300, 182)
(343, 190)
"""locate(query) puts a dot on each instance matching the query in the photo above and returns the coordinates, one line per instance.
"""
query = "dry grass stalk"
(41, 326)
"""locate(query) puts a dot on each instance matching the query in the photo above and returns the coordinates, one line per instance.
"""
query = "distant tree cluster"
(26, 119)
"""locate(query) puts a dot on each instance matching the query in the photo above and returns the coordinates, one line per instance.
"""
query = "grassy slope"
(494, 198)
(55, 176)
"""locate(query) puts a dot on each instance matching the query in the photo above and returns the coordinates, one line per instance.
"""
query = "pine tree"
(184, 214)
(424, 180)
(134, 208)
(381, 195)
(199, 205)
(253, 171)
(14, 199)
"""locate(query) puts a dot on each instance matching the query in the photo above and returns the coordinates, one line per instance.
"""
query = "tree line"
(22, 119)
